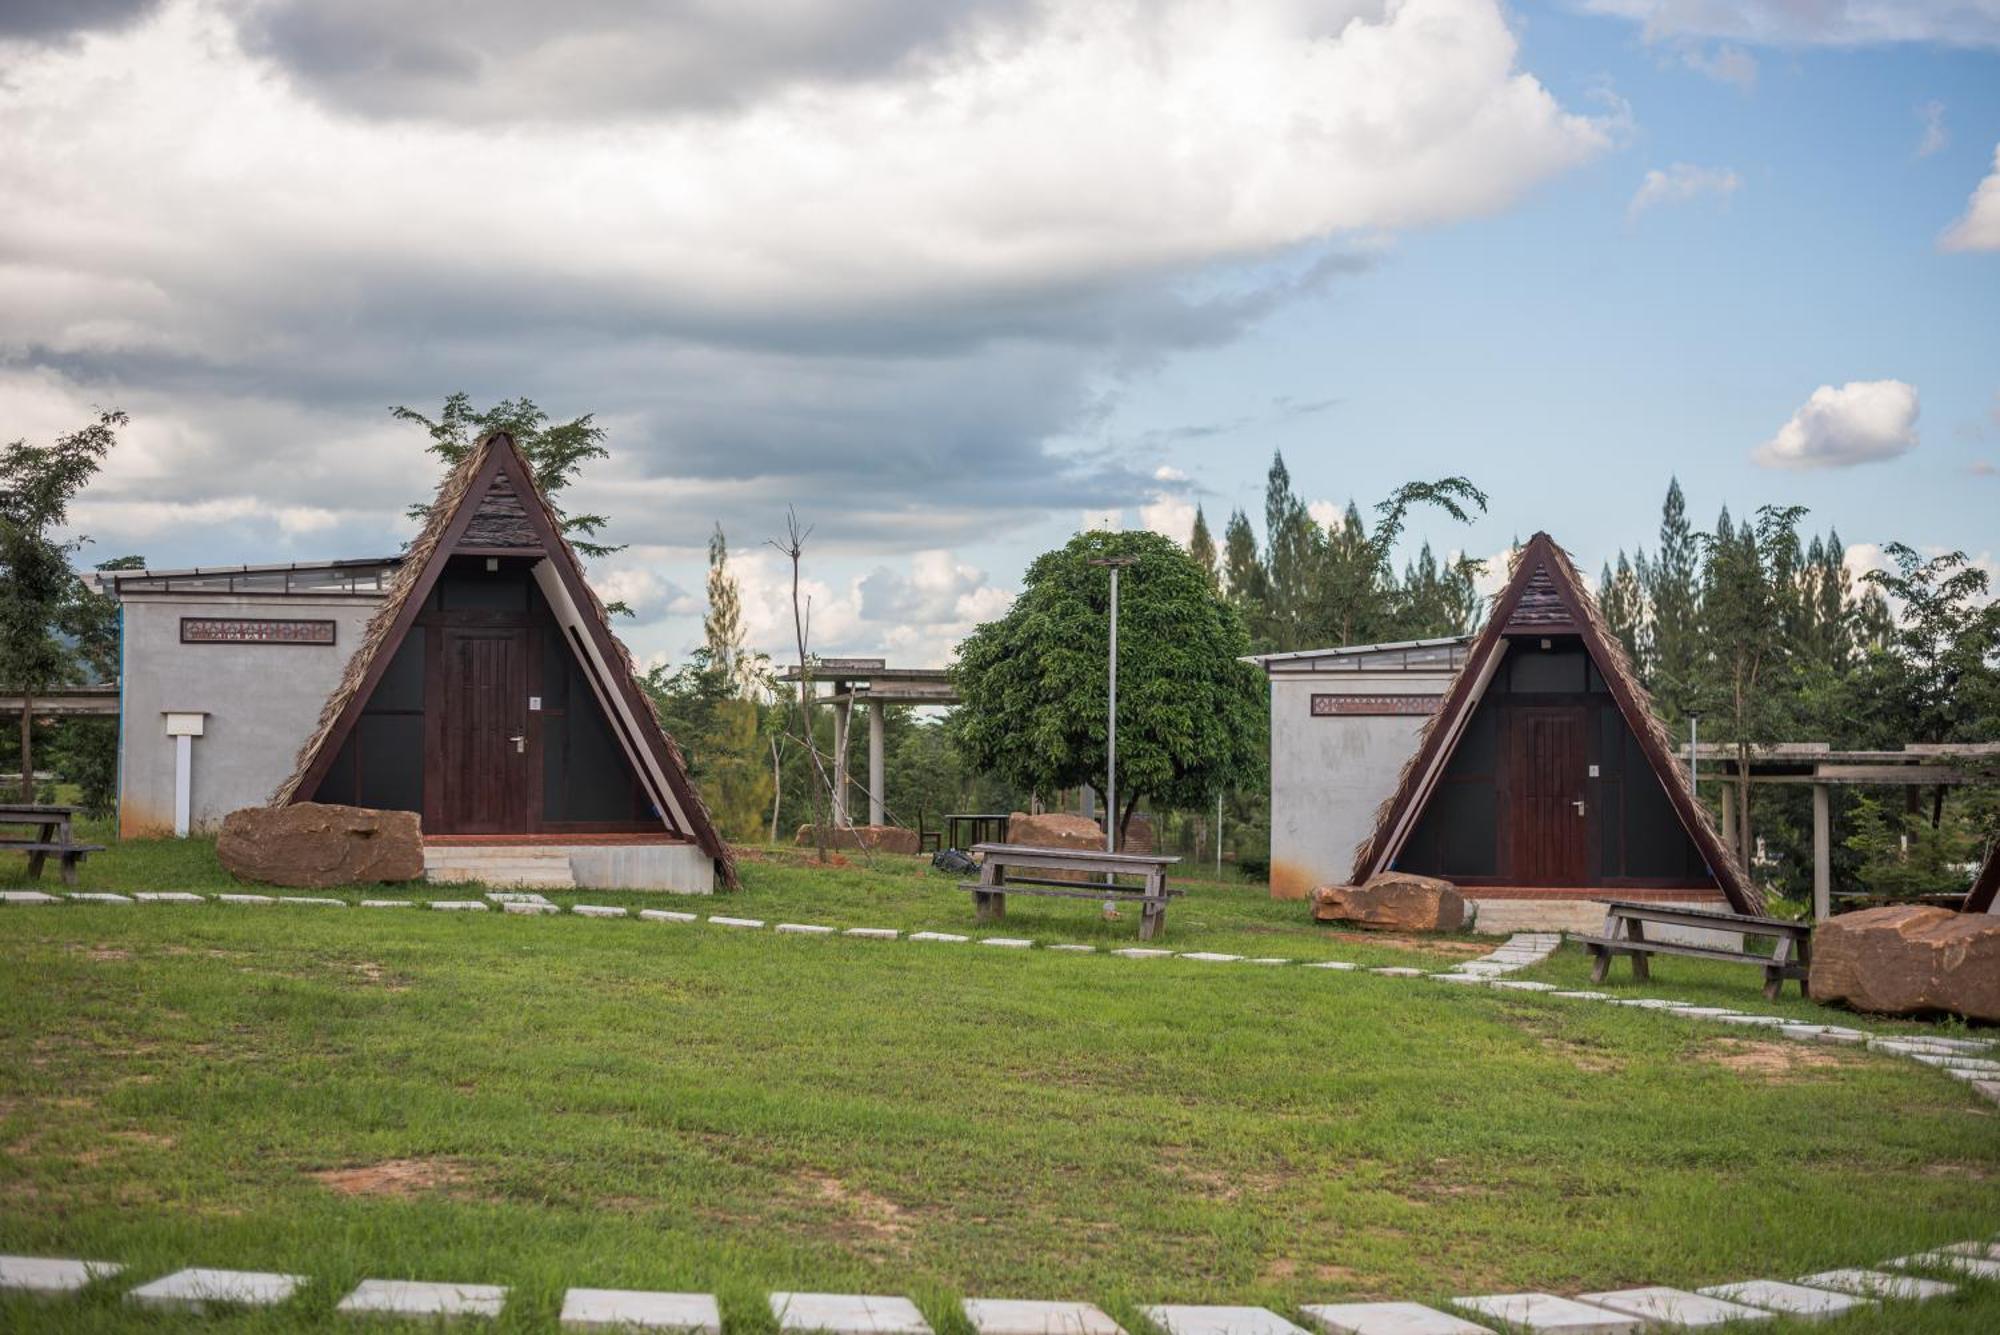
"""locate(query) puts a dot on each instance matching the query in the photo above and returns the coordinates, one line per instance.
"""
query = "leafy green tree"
(1248, 586)
(1622, 601)
(556, 452)
(1191, 715)
(37, 583)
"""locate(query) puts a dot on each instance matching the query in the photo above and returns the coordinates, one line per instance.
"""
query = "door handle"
(1578, 804)
(520, 744)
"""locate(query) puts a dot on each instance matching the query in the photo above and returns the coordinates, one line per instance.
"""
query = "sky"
(955, 278)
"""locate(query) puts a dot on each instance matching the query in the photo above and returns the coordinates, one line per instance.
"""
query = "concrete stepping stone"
(516, 897)
(1583, 996)
(1790, 1299)
(623, 1309)
(244, 899)
(313, 901)
(168, 897)
(97, 897)
(1211, 957)
(1676, 1309)
(668, 915)
(1739, 1018)
(1980, 1064)
(1006, 942)
(937, 936)
(1518, 985)
(804, 929)
(1073, 948)
(1477, 980)
(423, 1301)
(50, 1276)
(526, 909)
(1135, 953)
(1700, 1012)
(717, 920)
(1648, 1003)
(1975, 1266)
(1388, 1319)
(1834, 1033)
(1013, 1316)
(1396, 971)
(600, 911)
(1876, 1284)
(388, 903)
(26, 898)
(1545, 1311)
(848, 1314)
(198, 1290)
(1220, 1321)
(1266, 959)
(461, 906)
(1925, 1043)
(1343, 965)
(873, 933)
(1805, 1031)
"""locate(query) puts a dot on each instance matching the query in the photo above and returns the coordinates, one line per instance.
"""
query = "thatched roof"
(1545, 590)
(494, 460)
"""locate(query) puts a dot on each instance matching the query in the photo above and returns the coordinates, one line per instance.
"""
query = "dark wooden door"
(483, 753)
(1548, 821)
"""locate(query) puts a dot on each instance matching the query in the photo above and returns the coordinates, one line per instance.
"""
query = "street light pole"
(1116, 563)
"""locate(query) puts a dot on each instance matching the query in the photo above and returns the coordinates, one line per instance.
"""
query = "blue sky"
(955, 280)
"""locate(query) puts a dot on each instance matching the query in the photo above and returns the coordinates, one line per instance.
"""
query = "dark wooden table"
(1625, 934)
(978, 827)
(52, 834)
(1001, 867)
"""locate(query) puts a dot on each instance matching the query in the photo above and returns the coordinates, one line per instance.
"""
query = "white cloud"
(1935, 135)
(1862, 557)
(1682, 183)
(1494, 572)
(1170, 514)
(1327, 514)
(1861, 422)
(1169, 473)
(1723, 63)
(649, 594)
(913, 616)
(1113, 519)
(1841, 23)
(1979, 229)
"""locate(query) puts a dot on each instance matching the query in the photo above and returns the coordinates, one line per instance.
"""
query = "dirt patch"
(1583, 1056)
(1215, 1183)
(867, 1213)
(152, 1139)
(376, 976)
(1284, 1268)
(393, 1177)
(1778, 1063)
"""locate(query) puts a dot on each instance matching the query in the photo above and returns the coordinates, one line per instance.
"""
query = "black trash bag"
(952, 861)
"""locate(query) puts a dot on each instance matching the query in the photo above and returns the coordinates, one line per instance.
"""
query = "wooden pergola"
(1918, 764)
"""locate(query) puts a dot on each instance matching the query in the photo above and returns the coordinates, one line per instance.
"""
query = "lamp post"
(1115, 563)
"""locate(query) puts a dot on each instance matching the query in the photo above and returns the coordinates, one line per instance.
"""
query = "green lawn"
(544, 1102)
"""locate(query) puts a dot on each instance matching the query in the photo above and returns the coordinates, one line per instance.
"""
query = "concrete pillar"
(875, 783)
(1822, 853)
(840, 764)
(1729, 818)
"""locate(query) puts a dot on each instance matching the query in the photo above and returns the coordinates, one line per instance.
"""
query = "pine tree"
(1201, 546)
(1674, 598)
(722, 624)
(1243, 571)
(1622, 603)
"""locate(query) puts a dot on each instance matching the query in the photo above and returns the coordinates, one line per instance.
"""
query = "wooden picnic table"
(1001, 865)
(52, 834)
(977, 827)
(1625, 934)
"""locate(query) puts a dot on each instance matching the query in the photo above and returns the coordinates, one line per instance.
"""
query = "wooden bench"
(1001, 864)
(51, 826)
(1625, 934)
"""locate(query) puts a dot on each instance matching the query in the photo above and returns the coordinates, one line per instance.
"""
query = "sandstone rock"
(873, 838)
(1055, 829)
(1393, 901)
(1908, 959)
(319, 844)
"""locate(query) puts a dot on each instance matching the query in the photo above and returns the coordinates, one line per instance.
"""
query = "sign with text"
(254, 630)
(1343, 706)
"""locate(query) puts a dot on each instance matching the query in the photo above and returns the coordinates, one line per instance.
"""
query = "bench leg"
(35, 863)
(1600, 964)
(1774, 982)
(991, 906)
(1151, 918)
(1642, 968)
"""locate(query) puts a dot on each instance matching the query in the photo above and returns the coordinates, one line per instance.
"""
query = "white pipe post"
(1218, 836)
(875, 781)
(183, 784)
(1111, 739)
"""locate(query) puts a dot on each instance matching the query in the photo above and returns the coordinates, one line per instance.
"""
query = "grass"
(544, 1102)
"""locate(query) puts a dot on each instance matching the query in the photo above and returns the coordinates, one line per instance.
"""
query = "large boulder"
(320, 844)
(1393, 901)
(1908, 959)
(871, 838)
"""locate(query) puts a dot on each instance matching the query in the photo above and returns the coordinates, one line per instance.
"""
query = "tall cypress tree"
(1243, 572)
(1201, 546)
(1673, 595)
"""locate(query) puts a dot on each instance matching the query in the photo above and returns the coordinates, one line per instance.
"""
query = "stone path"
(1972, 1060)
(1615, 1312)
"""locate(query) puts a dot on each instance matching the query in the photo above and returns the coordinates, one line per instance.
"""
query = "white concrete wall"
(682, 868)
(261, 700)
(1328, 775)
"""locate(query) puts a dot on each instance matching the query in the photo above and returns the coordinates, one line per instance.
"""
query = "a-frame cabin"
(490, 695)
(1545, 773)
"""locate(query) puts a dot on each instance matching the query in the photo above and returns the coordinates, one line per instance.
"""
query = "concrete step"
(501, 864)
